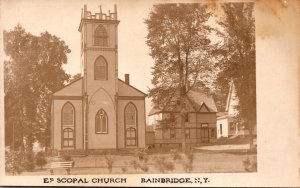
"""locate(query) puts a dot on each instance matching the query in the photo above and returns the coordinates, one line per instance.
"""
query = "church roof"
(70, 86)
(127, 89)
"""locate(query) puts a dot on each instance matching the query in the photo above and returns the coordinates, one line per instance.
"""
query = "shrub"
(135, 165)
(67, 156)
(250, 165)
(29, 161)
(163, 165)
(142, 154)
(124, 169)
(175, 154)
(14, 161)
(109, 161)
(139, 165)
(40, 159)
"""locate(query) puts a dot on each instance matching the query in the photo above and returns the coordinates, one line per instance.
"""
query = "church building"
(99, 110)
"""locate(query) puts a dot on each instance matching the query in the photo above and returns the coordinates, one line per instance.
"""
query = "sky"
(62, 18)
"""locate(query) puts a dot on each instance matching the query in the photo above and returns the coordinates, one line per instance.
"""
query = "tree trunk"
(250, 128)
(183, 143)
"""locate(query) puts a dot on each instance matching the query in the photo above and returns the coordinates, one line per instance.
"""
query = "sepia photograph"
(116, 88)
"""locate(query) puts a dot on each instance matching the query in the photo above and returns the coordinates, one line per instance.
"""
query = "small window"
(101, 122)
(187, 133)
(212, 133)
(187, 118)
(221, 129)
(68, 136)
(172, 134)
(100, 69)
(100, 36)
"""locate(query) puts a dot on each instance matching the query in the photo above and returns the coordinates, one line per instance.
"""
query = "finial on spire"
(84, 10)
(115, 11)
(100, 9)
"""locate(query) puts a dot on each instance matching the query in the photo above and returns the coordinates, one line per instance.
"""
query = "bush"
(135, 165)
(29, 161)
(163, 165)
(250, 165)
(124, 169)
(14, 161)
(175, 154)
(142, 154)
(188, 161)
(67, 156)
(139, 165)
(109, 161)
(40, 159)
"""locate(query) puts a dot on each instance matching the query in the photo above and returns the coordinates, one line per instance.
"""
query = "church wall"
(140, 105)
(110, 83)
(102, 100)
(57, 125)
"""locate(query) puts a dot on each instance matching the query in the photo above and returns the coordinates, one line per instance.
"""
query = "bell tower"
(99, 69)
(99, 45)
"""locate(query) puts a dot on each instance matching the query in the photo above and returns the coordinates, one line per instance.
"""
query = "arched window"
(101, 122)
(100, 36)
(130, 125)
(100, 69)
(68, 124)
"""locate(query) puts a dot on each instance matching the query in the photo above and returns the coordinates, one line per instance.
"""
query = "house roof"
(199, 98)
(220, 114)
(194, 100)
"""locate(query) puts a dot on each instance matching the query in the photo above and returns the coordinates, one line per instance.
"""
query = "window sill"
(101, 132)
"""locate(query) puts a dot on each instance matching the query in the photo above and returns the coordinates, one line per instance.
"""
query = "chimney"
(127, 79)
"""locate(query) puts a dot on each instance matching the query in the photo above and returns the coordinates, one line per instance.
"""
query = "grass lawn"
(204, 161)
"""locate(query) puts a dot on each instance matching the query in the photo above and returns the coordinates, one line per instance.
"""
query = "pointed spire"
(100, 9)
(85, 10)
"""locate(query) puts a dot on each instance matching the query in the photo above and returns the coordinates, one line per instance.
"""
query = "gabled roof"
(194, 100)
(199, 98)
(220, 114)
(129, 88)
(69, 85)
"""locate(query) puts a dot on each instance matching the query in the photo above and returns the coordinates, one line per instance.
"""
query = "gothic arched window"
(100, 69)
(130, 125)
(100, 36)
(101, 122)
(68, 125)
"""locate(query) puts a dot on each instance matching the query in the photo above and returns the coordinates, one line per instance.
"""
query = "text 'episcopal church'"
(98, 111)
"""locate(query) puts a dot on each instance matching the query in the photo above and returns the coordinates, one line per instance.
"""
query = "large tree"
(180, 46)
(237, 61)
(32, 71)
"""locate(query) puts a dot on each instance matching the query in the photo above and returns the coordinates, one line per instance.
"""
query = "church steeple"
(99, 48)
